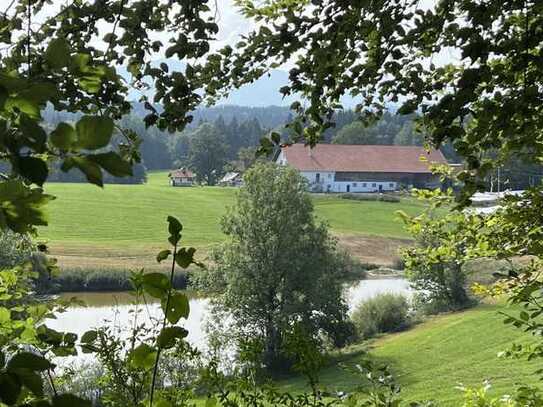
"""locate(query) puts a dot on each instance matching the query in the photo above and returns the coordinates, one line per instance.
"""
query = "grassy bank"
(431, 359)
(124, 225)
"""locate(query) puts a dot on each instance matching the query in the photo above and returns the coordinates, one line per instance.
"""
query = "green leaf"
(34, 135)
(69, 400)
(27, 360)
(32, 381)
(275, 137)
(166, 338)
(29, 107)
(24, 206)
(94, 132)
(185, 257)
(81, 61)
(112, 163)
(178, 307)
(163, 255)
(89, 336)
(90, 83)
(174, 226)
(92, 171)
(156, 285)
(63, 137)
(40, 92)
(10, 388)
(143, 357)
(57, 54)
(33, 169)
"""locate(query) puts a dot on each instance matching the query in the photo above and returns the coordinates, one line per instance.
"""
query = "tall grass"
(97, 279)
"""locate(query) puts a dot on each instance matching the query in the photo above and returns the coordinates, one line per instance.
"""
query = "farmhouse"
(181, 178)
(362, 168)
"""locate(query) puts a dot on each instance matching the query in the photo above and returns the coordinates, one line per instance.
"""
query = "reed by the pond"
(96, 279)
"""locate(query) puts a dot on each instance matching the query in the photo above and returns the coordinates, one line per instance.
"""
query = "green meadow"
(435, 357)
(131, 218)
(127, 222)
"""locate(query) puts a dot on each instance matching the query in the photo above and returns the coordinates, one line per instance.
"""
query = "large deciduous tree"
(207, 155)
(279, 267)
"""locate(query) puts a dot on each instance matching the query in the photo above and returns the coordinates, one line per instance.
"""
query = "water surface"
(116, 309)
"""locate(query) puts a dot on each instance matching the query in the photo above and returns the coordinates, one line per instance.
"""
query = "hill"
(127, 222)
(432, 359)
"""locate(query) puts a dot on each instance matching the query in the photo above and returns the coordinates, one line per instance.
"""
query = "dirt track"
(368, 249)
(374, 249)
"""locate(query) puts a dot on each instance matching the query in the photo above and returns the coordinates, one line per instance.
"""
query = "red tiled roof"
(361, 158)
(181, 173)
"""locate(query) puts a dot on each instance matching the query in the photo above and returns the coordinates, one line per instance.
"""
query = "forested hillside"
(237, 131)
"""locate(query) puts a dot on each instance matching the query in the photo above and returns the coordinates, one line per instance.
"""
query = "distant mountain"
(262, 92)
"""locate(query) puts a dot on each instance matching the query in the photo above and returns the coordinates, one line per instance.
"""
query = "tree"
(207, 154)
(355, 133)
(181, 149)
(246, 157)
(444, 241)
(272, 271)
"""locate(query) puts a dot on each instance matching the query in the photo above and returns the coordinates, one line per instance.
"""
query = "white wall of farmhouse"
(322, 177)
(324, 181)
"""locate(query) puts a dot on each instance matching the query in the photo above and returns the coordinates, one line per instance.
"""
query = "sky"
(232, 25)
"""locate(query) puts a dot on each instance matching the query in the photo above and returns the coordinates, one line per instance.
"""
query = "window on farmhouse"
(364, 184)
(374, 185)
(391, 185)
(354, 184)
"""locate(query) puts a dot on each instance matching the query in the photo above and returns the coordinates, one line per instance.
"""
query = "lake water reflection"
(114, 309)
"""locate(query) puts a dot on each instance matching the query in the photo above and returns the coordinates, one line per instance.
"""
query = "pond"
(115, 309)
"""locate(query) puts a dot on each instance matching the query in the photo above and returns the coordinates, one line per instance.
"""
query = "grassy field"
(431, 359)
(129, 221)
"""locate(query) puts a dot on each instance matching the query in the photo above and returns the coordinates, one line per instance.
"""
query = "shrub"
(14, 249)
(369, 266)
(383, 313)
(398, 263)
(351, 268)
(370, 197)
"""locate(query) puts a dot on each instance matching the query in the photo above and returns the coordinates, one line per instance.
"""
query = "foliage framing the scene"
(485, 95)
(63, 55)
